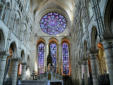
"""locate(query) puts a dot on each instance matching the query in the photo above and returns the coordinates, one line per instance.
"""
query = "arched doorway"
(20, 66)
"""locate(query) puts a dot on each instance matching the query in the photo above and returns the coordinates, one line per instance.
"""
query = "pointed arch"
(13, 49)
(85, 45)
(66, 66)
(40, 40)
(93, 38)
(40, 55)
(108, 18)
(21, 62)
(9, 63)
(23, 55)
(28, 60)
(51, 40)
(53, 45)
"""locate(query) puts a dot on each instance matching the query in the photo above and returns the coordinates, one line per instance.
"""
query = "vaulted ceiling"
(67, 5)
(41, 7)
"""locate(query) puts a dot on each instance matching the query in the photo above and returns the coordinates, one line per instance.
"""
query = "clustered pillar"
(94, 68)
(14, 70)
(108, 48)
(3, 58)
(23, 70)
(85, 64)
(2, 67)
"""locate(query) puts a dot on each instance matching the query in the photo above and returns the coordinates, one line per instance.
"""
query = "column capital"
(15, 59)
(3, 53)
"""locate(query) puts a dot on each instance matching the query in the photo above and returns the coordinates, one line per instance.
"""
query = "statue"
(49, 59)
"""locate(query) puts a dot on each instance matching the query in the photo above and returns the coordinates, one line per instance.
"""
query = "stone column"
(46, 54)
(3, 57)
(94, 68)
(85, 64)
(23, 71)
(59, 58)
(108, 48)
(80, 71)
(2, 68)
(14, 70)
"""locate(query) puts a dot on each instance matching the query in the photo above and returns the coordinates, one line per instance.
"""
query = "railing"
(42, 76)
(54, 76)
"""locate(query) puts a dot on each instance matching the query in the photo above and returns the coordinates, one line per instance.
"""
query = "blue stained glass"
(53, 49)
(65, 57)
(41, 47)
(53, 23)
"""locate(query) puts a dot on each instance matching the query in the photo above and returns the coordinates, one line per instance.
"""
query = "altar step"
(33, 82)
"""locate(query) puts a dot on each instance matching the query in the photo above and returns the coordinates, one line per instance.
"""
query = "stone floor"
(36, 82)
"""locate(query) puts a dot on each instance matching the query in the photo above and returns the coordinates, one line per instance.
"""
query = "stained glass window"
(65, 58)
(53, 48)
(41, 48)
(53, 23)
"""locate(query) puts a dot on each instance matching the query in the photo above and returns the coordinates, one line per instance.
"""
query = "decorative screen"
(53, 49)
(53, 23)
(41, 48)
(65, 56)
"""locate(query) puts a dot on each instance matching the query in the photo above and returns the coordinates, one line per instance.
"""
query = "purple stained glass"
(65, 58)
(41, 47)
(53, 23)
(53, 49)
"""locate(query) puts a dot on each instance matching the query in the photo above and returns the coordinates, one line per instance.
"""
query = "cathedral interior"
(56, 42)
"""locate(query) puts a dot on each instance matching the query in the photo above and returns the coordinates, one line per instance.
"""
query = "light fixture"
(35, 67)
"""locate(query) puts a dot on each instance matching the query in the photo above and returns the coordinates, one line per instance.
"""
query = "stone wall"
(16, 23)
(84, 20)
